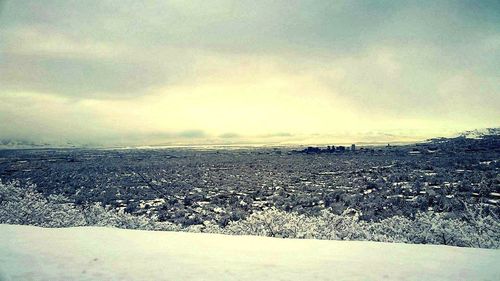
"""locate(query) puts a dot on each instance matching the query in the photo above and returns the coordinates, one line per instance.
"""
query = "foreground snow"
(92, 253)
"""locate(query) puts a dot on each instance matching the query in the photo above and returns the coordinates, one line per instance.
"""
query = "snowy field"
(92, 253)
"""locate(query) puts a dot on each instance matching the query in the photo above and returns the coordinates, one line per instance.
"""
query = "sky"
(114, 72)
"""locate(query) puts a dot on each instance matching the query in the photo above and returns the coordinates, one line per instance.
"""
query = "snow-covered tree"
(274, 223)
(24, 205)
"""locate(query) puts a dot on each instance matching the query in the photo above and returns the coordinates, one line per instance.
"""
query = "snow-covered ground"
(92, 253)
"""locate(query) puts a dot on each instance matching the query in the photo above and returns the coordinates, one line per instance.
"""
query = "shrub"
(273, 223)
(477, 227)
(26, 206)
(393, 229)
(346, 226)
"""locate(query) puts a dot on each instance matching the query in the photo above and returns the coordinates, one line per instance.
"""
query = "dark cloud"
(191, 134)
(229, 135)
(282, 134)
(296, 29)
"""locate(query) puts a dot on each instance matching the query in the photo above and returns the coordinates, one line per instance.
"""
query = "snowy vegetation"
(24, 205)
(189, 186)
(477, 228)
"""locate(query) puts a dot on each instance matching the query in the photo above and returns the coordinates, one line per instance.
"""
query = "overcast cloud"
(112, 71)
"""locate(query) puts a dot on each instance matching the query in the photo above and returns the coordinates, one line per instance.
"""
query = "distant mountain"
(7, 143)
(480, 133)
(373, 138)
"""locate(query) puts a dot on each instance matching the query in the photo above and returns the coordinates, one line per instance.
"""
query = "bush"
(481, 230)
(273, 223)
(26, 206)
(346, 226)
(393, 229)
(476, 228)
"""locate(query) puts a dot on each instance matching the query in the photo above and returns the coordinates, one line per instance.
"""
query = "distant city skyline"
(221, 72)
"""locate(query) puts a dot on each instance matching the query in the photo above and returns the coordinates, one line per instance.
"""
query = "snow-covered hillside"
(92, 253)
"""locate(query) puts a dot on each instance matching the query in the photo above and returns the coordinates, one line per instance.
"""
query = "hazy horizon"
(171, 72)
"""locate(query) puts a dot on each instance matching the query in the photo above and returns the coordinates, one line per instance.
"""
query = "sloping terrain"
(93, 253)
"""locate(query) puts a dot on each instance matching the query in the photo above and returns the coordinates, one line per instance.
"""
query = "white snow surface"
(95, 253)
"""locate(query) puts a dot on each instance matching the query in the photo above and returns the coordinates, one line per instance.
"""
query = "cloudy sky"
(145, 72)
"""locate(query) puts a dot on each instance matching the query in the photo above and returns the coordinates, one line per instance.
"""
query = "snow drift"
(94, 253)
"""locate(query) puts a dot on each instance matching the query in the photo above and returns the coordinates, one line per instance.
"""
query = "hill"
(93, 253)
